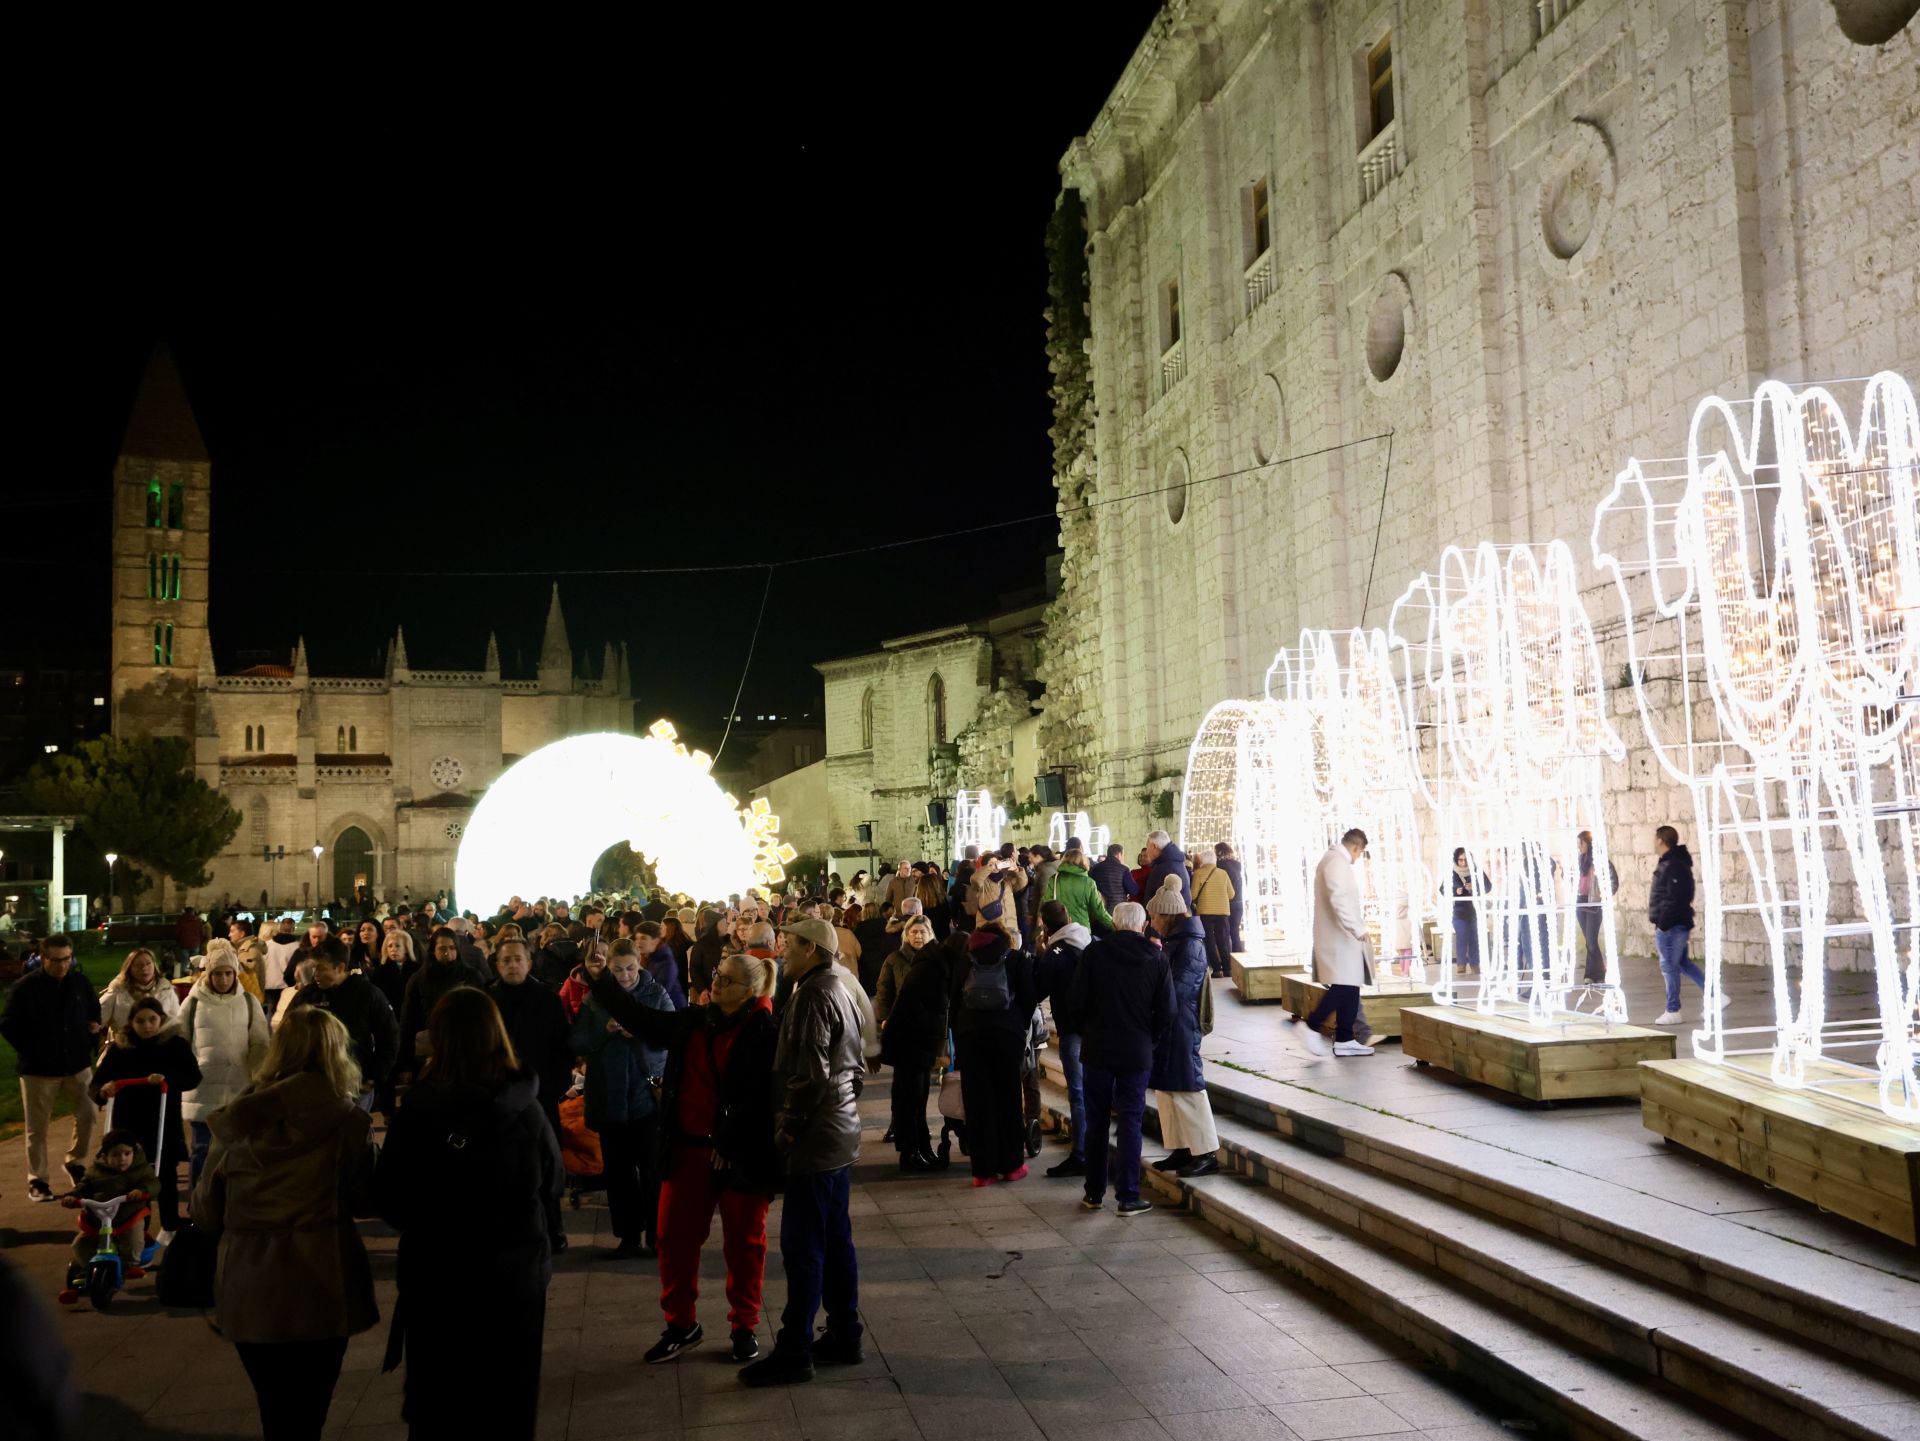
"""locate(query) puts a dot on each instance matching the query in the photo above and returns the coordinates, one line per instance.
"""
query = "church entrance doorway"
(352, 862)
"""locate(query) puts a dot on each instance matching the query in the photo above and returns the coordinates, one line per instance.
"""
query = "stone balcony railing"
(1380, 161)
(448, 677)
(375, 773)
(253, 682)
(255, 773)
(1173, 366)
(1260, 280)
(354, 685)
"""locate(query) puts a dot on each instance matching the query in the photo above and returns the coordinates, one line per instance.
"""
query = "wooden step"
(1571, 1060)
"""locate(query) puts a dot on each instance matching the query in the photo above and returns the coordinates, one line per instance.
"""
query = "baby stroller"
(579, 1150)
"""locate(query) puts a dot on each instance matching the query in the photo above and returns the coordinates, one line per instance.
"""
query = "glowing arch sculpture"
(1503, 678)
(1771, 587)
(977, 821)
(1347, 720)
(542, 825)
(1244, 785)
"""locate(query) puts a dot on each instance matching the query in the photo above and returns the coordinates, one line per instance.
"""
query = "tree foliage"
(137, 797)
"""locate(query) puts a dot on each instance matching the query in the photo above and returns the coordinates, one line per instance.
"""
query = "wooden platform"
(1258, 977)
(1842, 1156)
(1380, 1004)
(1542, 1063)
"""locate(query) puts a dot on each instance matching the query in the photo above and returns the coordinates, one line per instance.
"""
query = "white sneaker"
(1315, 1043)
(1667, 1018)
(1351, 1048)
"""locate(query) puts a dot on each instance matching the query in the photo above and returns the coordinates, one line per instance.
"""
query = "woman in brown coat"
(292, 1165)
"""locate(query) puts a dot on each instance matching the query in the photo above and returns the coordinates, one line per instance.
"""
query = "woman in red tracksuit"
(716, 1139)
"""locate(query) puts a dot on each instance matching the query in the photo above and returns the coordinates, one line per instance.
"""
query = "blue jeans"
(1076, 1093)
(1672, 946)
(1120, 1096)
(1466, 943)
(816, 1252)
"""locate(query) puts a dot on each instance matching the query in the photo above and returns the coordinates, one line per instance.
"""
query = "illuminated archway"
(541, 826)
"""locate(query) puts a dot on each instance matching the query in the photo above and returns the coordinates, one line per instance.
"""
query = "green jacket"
(1074, 889)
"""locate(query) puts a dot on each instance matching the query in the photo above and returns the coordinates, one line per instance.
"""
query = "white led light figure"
(1063, 826)
(977, 821)
(1771, 585)
(1245, 785)
(542, 825)
(1503, 681)
(1346, 713)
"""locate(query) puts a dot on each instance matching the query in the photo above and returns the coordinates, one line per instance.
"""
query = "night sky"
(442, 370)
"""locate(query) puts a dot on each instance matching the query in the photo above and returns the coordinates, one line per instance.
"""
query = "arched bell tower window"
(866, 720)
(249, 738)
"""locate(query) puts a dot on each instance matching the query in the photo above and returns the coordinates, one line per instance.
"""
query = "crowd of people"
(708, 1058)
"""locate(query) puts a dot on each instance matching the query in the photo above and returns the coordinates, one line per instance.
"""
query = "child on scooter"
(119, 1169)
(144, 1048)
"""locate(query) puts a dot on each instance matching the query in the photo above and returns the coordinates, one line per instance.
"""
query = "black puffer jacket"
(1670, 899)
(537, 1025)
(917, 1023)
(1015, 1018)
(46, 1023)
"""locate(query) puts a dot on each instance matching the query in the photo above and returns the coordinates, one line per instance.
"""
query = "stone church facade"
(1369, 278)
(381, 772)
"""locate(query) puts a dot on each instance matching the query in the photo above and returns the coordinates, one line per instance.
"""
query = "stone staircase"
(1596, 1310)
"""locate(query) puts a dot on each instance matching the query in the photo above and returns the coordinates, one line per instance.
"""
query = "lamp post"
(317, 849)
(111, 858)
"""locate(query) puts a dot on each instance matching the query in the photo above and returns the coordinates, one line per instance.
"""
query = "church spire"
(162, 426)
(492, 666)
(300, 658)
(556, 654)
(397, 656)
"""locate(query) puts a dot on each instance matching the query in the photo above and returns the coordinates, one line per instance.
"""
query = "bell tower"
(162, 489)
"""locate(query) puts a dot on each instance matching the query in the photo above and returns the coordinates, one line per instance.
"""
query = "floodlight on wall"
(1771, 588)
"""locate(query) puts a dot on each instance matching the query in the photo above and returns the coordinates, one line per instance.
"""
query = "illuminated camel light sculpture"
(1347, 714)
(1503, 683)
(1773, 629)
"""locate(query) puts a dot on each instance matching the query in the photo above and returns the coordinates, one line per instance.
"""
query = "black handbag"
(187, 1268)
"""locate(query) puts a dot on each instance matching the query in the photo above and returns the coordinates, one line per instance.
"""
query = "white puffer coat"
(229, 1038)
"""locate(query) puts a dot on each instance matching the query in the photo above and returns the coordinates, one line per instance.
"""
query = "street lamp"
(111, 858)
(317, 849)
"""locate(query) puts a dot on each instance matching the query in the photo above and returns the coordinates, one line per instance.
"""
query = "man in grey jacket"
(817, 1074)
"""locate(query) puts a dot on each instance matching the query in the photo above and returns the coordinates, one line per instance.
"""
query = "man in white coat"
(1340, 959)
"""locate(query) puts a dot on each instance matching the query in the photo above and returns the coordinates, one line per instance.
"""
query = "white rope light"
(1772, 595)
(977, 821)
(1504, 684)
(1063, 826)
(1244, 785)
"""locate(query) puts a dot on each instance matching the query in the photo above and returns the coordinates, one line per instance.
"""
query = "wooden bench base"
(1842, 1156)
(1561, 1062)
(1258, 978)
(1380, 1004)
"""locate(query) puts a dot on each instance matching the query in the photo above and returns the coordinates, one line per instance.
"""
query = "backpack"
(987, 988)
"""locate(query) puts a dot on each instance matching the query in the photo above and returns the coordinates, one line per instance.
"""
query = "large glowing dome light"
(542, 825)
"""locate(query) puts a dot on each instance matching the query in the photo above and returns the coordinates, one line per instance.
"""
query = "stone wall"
(1459, 330)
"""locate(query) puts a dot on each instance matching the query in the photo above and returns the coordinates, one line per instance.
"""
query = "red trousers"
(688, 1198)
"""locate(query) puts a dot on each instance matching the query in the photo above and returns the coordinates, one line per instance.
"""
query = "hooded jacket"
(1122, 994)
(228, 1035)
(1074, 889)
(1176, 1056)
(1670, 898)
(819, 1068)
(1172, 861)
(292, 1165)
(1053, 972)
(362, 1008)
(46, 1023)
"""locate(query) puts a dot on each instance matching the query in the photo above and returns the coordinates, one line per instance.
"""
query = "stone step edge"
(1711, 1378)
(1582, 1395)
(1739, 1288)
(1772, 1391)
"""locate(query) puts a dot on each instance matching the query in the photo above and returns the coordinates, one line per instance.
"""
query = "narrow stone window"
(176, 506)
(249, 739)
(340, 739)
(866, 720)
(1379, 89)
(260, 738)
(1257, 227)
(937, 710)
(353, 738)
(163, 642)
(153, 503)
(1169, 315)
(153, 576)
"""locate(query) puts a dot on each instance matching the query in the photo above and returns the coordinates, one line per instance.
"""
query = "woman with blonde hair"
(716, 1097)
(138, 980)
(291, 1166)
(470, 1177)
(250, 955)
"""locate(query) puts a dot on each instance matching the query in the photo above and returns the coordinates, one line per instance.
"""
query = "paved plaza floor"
(1003, 1312)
